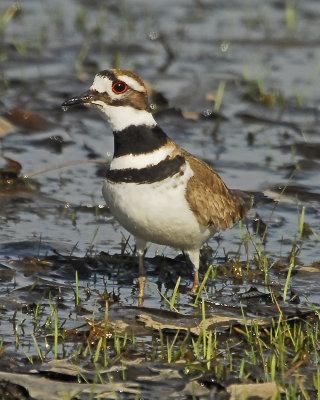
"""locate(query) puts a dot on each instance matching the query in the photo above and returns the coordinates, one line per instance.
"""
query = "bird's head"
(121, 96)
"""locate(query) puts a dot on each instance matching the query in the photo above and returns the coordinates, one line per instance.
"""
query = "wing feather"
(210, 199)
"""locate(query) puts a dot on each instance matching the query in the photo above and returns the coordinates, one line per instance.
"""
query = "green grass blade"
(174, 294)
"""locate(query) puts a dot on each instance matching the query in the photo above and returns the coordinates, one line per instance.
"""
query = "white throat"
(120, 117)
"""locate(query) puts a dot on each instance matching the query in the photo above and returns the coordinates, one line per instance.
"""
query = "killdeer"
(157, 191)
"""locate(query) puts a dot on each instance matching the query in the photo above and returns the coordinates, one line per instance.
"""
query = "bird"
(155, 189)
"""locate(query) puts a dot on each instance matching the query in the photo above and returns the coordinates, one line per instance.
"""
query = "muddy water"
(265, 137)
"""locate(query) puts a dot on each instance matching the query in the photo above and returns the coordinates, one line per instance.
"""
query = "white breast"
(157, 212)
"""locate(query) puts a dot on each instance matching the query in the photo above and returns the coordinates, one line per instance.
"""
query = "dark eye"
(119, 87)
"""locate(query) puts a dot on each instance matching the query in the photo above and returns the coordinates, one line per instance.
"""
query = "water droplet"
(154, 35)
(224, 47)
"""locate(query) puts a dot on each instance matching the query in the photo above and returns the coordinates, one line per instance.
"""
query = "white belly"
(157, 212)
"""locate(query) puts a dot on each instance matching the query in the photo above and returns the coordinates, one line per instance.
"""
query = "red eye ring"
(119, 87)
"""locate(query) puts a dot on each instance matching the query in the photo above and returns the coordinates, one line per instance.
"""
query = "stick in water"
(63, 165)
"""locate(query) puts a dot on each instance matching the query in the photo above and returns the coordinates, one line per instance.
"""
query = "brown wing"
(210, 199)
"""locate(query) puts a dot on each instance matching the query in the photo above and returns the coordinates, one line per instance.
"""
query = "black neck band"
(138, 140)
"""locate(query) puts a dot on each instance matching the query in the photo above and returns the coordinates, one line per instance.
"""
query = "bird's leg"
(140, 246)
(196, 284)
(194, 258)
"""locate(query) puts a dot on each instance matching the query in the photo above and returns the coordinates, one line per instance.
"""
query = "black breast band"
(154, 173)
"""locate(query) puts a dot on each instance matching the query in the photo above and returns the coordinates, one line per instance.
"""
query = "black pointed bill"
(83, 99)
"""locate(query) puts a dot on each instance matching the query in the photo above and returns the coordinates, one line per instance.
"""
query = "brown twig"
(63, 165)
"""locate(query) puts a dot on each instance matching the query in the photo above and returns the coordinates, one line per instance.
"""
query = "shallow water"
(265, 137)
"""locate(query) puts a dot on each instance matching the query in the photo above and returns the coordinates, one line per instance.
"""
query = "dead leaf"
(196, 326)
(28, 120)
(11, 171)
(14, 165)
(36, 262)
(262, 391)
(237, 270)
(308, 269)
(268, 99)
(98, 328)
(40, 387)
(6, 127)
(190, 115)
(210, 96)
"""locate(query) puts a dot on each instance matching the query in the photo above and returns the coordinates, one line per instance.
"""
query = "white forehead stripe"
(131, 82)
(141, 160)
(101, 84)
